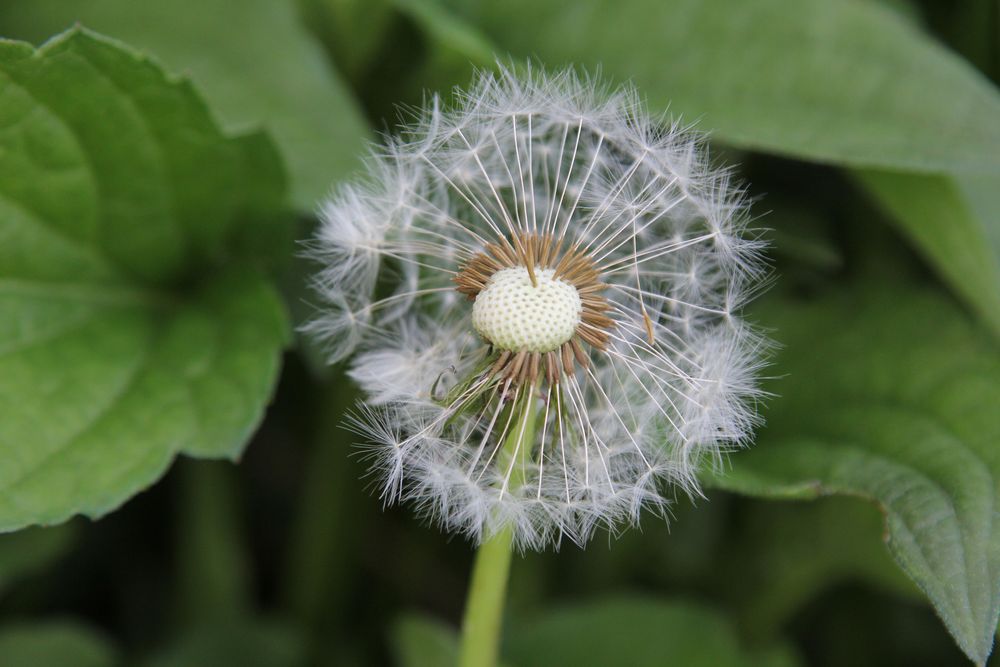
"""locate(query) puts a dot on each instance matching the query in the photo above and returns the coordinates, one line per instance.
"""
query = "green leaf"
(129, 328)
(866, 87)
(780, 556)
(452, 48)
(352, 31)
(893, 396)
(982, 194)
(847, 82)
(255, 64)
(638, 632)
(939, 218)
(54, 644)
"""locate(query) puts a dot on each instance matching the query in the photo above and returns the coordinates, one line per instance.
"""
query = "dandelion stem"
(482, 623)
(484, 607)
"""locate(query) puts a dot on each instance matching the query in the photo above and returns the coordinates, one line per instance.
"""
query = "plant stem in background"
(483, 618)
(316, 561)
(213, 574)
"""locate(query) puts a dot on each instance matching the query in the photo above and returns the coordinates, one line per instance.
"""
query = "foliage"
(109, 368)
(612, 631)
(888, 418)
(147, 221)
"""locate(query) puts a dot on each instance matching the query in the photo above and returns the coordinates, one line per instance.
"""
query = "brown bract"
(543, 251)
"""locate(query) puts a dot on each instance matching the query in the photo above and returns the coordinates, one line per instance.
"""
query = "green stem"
(315, 583)
(213, 574)
(484, 606)
(483, 618)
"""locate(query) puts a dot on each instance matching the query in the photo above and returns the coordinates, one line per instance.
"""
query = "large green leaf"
(638, 632)
(848, 82)
(781, 556)
(129, 330)
(254, 62)
(54, 644)
(893, 396)
(940, 216)
(845, 82)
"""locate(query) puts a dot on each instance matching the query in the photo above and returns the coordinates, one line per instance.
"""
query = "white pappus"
(541, 287)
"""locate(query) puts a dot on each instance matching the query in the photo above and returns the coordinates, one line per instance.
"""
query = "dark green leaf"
(637, 632)
(847, 82)
(893, 396)
(866, 88)
(351, 30)
(784, 555)
(452, 47)
(634, 631)
(938, 216)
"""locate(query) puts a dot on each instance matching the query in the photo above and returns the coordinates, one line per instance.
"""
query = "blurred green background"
(869, 134)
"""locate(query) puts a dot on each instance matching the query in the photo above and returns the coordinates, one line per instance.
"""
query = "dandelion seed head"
(540, 286)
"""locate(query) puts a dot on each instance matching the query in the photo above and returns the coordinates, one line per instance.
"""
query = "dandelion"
(541, 288)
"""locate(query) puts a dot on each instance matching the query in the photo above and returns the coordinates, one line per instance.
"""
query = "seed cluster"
(536, 302)
(515, 315)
